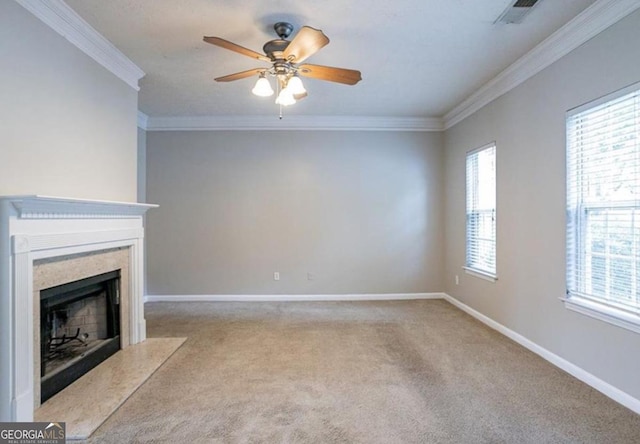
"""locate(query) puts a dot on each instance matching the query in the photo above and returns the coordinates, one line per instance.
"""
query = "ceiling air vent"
(516, 12)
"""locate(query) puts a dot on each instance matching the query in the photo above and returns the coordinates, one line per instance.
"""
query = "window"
(603, 208)
(481, 212)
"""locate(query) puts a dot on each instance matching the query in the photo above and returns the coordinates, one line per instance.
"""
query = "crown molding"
(66, 22)
(289, 123)
(586, 25)
(143, 120)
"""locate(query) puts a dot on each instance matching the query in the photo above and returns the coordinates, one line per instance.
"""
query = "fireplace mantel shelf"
(49, 207)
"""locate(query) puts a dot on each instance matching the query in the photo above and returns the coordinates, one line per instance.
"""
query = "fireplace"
(47, 242)
(79, 328)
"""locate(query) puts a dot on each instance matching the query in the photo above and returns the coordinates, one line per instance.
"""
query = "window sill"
(618, 317)
(480, 274)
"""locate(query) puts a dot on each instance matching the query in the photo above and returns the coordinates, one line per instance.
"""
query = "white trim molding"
(47, 207)
(143, 120)
(66, 22)
(480, 274)
(603, 387)
(290, 297)
(288, 123)
(586, 25)
(606, 313)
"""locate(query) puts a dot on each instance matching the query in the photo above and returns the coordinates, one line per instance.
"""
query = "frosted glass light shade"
(285, 98)
(263, 87)
(295, 86)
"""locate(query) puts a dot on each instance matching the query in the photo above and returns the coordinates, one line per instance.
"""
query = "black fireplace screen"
(79, 328)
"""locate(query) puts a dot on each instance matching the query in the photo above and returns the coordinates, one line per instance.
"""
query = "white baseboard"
(289, 297)
(603, 387)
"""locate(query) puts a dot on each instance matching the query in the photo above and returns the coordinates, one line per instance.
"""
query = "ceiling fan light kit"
(285, 57)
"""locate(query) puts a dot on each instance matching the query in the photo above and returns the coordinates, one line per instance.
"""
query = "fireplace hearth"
(79, 328)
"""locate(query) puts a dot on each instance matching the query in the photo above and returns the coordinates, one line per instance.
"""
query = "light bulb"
(263, 87)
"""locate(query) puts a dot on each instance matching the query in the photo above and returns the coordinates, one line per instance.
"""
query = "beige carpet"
(360, 372)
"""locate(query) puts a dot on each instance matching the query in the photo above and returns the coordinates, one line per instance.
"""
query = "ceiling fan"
(286, 57)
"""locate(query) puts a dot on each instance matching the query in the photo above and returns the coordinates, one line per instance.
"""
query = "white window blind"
(481, 210)
(603, 202)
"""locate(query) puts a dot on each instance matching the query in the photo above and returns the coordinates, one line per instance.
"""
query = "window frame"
(469, 268)
(597, 307)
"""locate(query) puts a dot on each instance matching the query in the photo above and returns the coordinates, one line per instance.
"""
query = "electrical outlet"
(276, 275)
(310, 276)
(457, 280)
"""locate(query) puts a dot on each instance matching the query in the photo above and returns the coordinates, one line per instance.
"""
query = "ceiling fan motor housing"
(274, 49)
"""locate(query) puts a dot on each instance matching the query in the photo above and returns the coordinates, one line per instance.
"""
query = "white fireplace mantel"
(41, 227)
(47, 207)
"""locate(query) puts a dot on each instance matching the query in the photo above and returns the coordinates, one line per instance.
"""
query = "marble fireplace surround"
(60, 270)
(45, 230)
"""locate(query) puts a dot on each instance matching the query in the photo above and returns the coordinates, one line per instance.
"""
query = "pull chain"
(279, 104)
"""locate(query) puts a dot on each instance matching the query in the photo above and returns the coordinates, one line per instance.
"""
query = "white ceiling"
(418, 58)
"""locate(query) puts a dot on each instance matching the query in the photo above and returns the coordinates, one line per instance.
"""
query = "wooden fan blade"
(307, 42)
(235, 48)
(240, 75)
(339, 75)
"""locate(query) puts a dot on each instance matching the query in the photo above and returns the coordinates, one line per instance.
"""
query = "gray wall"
(528, 125)
(361, 211)
(142, 166)
(67, 125)
(142, 190)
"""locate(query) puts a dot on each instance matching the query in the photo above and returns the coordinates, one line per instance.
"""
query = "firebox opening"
(79, 328)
